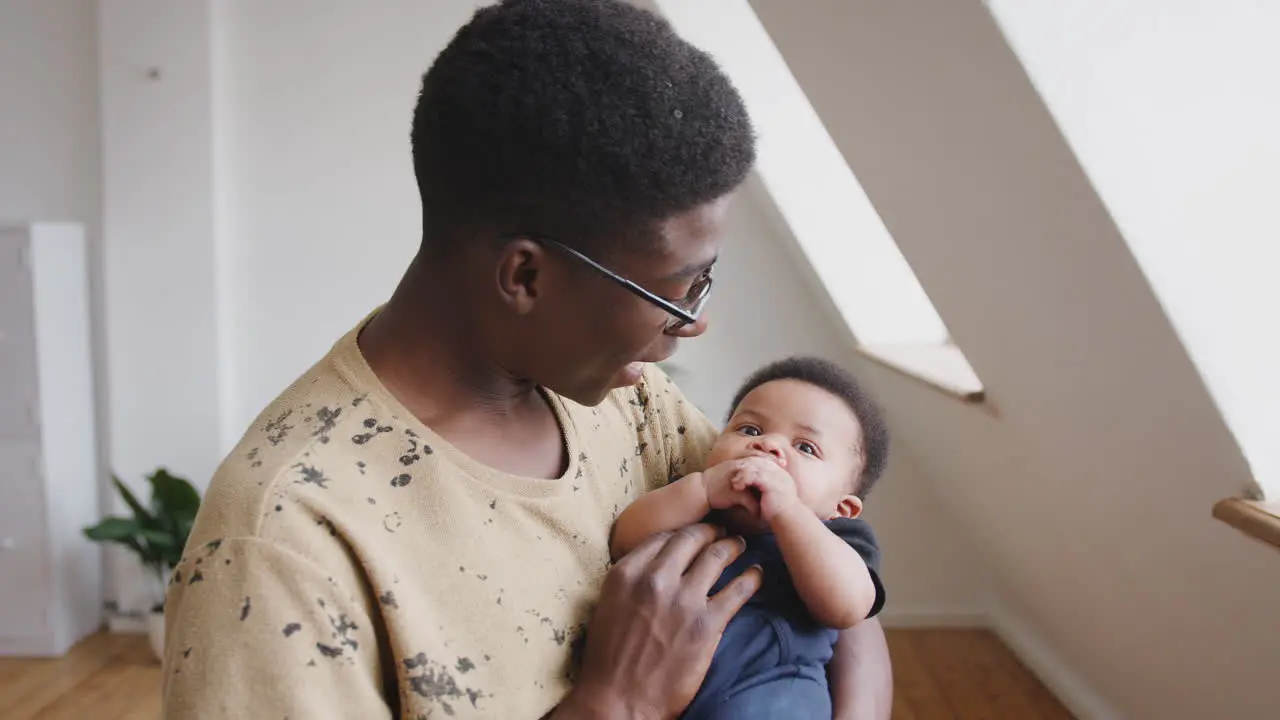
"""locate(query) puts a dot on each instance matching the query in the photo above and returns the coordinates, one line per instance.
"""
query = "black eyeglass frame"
(680, 316)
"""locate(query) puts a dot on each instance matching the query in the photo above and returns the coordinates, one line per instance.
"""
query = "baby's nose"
(766, 445)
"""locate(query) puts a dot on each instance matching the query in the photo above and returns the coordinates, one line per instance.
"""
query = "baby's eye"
(749, 430)
(807, 447)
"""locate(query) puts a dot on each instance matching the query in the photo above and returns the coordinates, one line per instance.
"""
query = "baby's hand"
(775, 486)
(722, 490)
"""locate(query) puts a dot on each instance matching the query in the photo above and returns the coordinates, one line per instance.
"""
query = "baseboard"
(912, 618)
(126, 624)
(1040, 657)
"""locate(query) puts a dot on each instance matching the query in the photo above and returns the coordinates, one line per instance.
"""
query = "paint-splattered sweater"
(349, 563)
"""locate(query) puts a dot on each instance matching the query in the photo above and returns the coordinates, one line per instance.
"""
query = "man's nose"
(691, 330)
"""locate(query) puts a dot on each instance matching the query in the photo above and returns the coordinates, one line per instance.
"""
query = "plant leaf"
(159, 540)
(139, 512)
(173, 499)
(113, 528)
(119, 530)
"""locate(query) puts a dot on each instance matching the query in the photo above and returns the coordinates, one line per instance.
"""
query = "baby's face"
(809, 432)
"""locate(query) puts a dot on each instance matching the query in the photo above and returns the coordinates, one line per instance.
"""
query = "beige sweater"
(349, 563)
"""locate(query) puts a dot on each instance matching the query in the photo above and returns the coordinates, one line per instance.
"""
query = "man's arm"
(256, 630)
(861, 674)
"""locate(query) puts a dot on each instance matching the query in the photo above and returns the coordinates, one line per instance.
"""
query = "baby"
(803, 445)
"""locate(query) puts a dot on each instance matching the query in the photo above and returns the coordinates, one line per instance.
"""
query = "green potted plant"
(157, 533)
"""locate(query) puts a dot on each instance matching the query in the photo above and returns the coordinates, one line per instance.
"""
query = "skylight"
(817, 194)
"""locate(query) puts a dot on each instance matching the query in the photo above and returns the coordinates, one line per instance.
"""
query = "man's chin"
(591, 396)
(586, 396)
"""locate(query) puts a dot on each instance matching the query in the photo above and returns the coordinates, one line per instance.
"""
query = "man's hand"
(655, 630)
(768, 479)
(724, 491)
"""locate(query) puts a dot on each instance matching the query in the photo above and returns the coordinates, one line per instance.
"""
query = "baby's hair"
(829, 376)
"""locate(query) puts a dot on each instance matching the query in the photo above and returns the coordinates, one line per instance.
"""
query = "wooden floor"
(966, 675)
(942, 674)
(112, 677)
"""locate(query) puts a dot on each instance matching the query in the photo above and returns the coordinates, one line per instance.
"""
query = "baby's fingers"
(753, 478)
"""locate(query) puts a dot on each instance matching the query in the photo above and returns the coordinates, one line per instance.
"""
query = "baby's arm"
(829, 575)
(680, 503)
(683, 502)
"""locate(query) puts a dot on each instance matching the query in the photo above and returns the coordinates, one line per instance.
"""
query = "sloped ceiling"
(1087, 481)
(1164, 105)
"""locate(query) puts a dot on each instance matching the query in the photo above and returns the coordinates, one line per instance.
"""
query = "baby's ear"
(849, 507)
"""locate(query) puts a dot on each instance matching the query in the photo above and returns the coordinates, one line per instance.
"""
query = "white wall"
(1172, 109)
(159, 261)
(49, 167)
(1087, 483)
(321, 211)
(158, 224)
(50, 152)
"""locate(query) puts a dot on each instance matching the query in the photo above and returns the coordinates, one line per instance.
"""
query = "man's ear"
(520, 264)
(849, 507)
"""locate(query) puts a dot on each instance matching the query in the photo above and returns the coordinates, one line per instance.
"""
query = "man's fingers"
(645, 552)
(726, 603)
(711, 563)
(679, 550)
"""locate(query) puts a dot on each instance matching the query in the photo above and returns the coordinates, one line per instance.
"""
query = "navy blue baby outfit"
(771, 662)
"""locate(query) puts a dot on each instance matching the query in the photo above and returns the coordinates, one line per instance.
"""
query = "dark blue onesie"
(771, 662)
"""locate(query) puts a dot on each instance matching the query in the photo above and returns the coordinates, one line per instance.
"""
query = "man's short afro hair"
(583, 120)
(841, 383)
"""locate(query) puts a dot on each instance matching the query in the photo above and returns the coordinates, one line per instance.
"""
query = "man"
(418, 526)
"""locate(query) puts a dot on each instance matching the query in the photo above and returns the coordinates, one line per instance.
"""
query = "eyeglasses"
(683, 312)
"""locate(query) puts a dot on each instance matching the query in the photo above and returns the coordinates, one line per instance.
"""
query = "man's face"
(595, 335)
(809, 432)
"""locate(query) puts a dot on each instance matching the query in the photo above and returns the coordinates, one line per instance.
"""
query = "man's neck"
(438, 365)
(430, 359)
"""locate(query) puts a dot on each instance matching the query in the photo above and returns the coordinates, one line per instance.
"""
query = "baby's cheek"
(726, 447)
(818, 494)
(802, 480)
